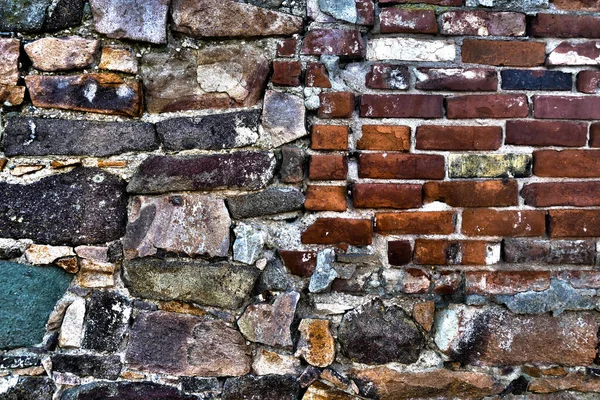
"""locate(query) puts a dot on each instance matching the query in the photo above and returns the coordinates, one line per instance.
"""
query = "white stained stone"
(39, 254)
(408, 49)
(270, 363)
(71, 332)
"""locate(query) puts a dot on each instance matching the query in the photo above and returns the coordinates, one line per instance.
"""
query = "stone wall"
(299, 199)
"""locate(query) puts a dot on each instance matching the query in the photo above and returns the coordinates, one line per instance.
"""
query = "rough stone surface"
(282, 118)
(66, 14)
(271, 201)
(23, 15)
(9, 61)
(61, 54)
(249, 242)
(509, 4)
(69, 201)
(268, 387)
(71, 331)
(270, 363)
(107, 320)
(29, 388)
(87, 365)
(125, 391)
(38, 254)
(96, 274)
(409, 49)
(118, 59)
(316, 344)
(324, 273)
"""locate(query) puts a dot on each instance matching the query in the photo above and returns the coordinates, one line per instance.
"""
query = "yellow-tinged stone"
(21, 170)
(321, 391)
(423, 313)
(41, 254)
(118, 59)
(316, 344)
(490, 166)
(271, 363)
(181, 308)
(96, 274)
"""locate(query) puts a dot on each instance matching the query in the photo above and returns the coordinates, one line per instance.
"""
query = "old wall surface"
(299, 199)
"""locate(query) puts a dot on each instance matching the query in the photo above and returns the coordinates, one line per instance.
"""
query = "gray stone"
(102, 367)
(181, 344)
(191, 224)
(143, 20)
(271, 201)
(270, 323)
(344, 10)
(125, 391)
(64, 214)
(293, 161)
(213, 132)
(283, 118)
(65, 14)
(107, 321)
(219, 285)
(208, 387)
(23, 15)
(27, 136)
(276, 278)
(237, 170)
(27, 297)
(324, 274)
(376, 334)
(248, 244)
(518, 5)
(268, 387)
(29, 388)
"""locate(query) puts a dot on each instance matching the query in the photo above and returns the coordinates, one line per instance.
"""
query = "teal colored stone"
(23, 15)
(344, 10)
(27, 296)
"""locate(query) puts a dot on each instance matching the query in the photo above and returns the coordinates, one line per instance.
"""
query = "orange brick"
(385, 137)
(415, 223)
(326, 198)
(330, 137)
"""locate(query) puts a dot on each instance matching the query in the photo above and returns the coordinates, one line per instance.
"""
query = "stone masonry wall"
(299, 199)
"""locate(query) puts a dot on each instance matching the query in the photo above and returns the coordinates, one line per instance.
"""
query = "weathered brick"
(548, 194)
(401, 106)
(579, 5)
(567, 163)
(588, 82)
(482, 23)
(452, 138)
(384, 137)
(325, 167)
(415, 223)
(399, 252)
(336, 105)
(489, 166)
(447, 283)
(325, 198)
(457, 79)
(449, 3)
(329, 137)
(488, 193)
(398, 20)
(555, 252)
(386, 195)
(574, 223)
(301, 263)
(580, 279)
(503, 53)
(317, 75)
(519, 79)
(546, 133)
(505, 282)
(595, 135)
(415, 281)
(487, 106)
(287, 47)
(455, 252)
(410, 49)
(485, 222)
(333, 42)
(286, 73)
(356, 232)
(365, 12)
(567, 53)
(567, 107)
(401, 166)
(388, 76)
(565, 26)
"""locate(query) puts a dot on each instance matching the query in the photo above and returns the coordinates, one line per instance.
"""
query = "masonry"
(299, 199)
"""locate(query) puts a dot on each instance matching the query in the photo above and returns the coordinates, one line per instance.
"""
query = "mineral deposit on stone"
(61, 54)
(283, 118)
(316, 344)
(118, 59)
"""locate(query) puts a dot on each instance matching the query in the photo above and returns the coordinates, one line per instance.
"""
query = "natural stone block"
(30, 388)
(96, 274)
(324, 273)
(118, 59)
(9, 61)
(12, 96)
(65, 14)
(293, 160)
(316, 344)
(283, 118)
(71, 331)
(268, 387)
(249, 242)
(490, 166)
(125, 391)
(107, 321)
(108, 367)
(61, 54)
(270, 201)
(271, 363)
(23, 15)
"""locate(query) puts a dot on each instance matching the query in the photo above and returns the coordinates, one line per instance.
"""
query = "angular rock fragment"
(321, 391)
(71, 331)
(11, 96)
(316, 344)
(98, 93)
(212, 132)
(64, 14)
(268, 387)
(29, 388)
(248, 244)
(86, 205)
(293, 160)
(213, 77)
(344, 10)
(270, 363)
(270, 323)
(191, 224)
(23, 15)
(271, 201)
(118, 59)
(224, 18)
(39, 254)
(107, 321)
(143, 20)
(88, 365)
(125, 391)
(62, 54)
(283, 118)
(324, 273)
(237, 170)
(96, 274)
(218, 285)
(9, 61)
(29, 136)
(180, 344)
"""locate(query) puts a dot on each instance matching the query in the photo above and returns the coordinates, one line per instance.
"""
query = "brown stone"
(583, 5)
(423, 313)
(506, 282)
(384, 137)
(449, 3)
(386, 195)
(576, 381)
(356, 232)
(317, 75)
(70, 162)
(457, 79)
(181, 308)
(326, 198)
(415, 223)
(96, 274)
(325, 167)
(99, 93)
(287, 47)
(336, 105)
(400, 166)
(565, 26)
(9, 61)
(503, 53)
(286, 73)
(487, 106)
(62, 54)
(398, 20)
(486, 222)
(329, 137)
(548, 194)
(3, 162)
(301, 263)
(482, 23)
(453, 138)
(567, 163)
(112, 163)
(489, 193)
(567, 107)
(320, 391)
(338, 42)
(568, 53)
(546, 133)
(12, 95)
(574, 223)
(118, 59)
(25, 169)
(316, 344)
(401, 106)
(388, 76)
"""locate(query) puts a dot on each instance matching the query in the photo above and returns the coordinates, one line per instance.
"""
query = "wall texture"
(299, 199)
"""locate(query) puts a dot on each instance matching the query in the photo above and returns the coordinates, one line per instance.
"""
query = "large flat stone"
(271, 201)
(268, 387)
(180, 344)
(27, 136)
(125, 391)
(62, 54)
(219, 18)
(27, 296)
(83, 206)
(283, 118)
(23, 15)
(29, 388)
(241, 170)
(220, 285)
(213, 77)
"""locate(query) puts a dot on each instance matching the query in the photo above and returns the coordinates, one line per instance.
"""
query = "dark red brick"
(399, 252)
(326, 198)
(588, 81)
(453, 138)
(489, 193)
(401, 106)
(578, 5)
(324, 167)
(485, 222)
(287, 48)
(457, 79)
(357, 232)
(574, 223)
(329, 137)
(388, 76)
(482, 23)
(488, 106)
(384, 137)
(450, 252)
(317, 75)
(401, 166)
(503, 53)
(565, 26)
(336, 105)
(339, 42)
(548, 194)
(301, 263)
(365, 12)
(386, 195)
(415, 223)
(403, 20)
(546, 133)
(286, 73)
(567, 163)
(595, 135)
(567, 107)
(505, 282)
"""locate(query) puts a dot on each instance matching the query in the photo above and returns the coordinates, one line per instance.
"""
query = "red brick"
(401, 106)
(317, 76)
(567, 107)
(384, 137)
(286, 73)
(488, 106)
(325, 167)
(287, 48)
(357, 232)
(565, 26)
(569, 53)
(580, 279)
(336, 105)
(583, 5)
(388, 76)
(554, 252)
(485, 222)
(574, 223)
(339, 42)
(416, 281)
(386, 195)
(457, 79)
(449, 3)
(415, 223)
(548, 194)
(595, 135)
(567, 163)
(482, 23)
(506, 282)
(325, 198)
(588, 81)
(301, 263)
(447, 283)
(365, 12)
(329, 137)
(399, 252)
(546, 133)
(401, 166)
(450, 252)
(489, 193)
(436, 137)
(399, 20)
(503, 53)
